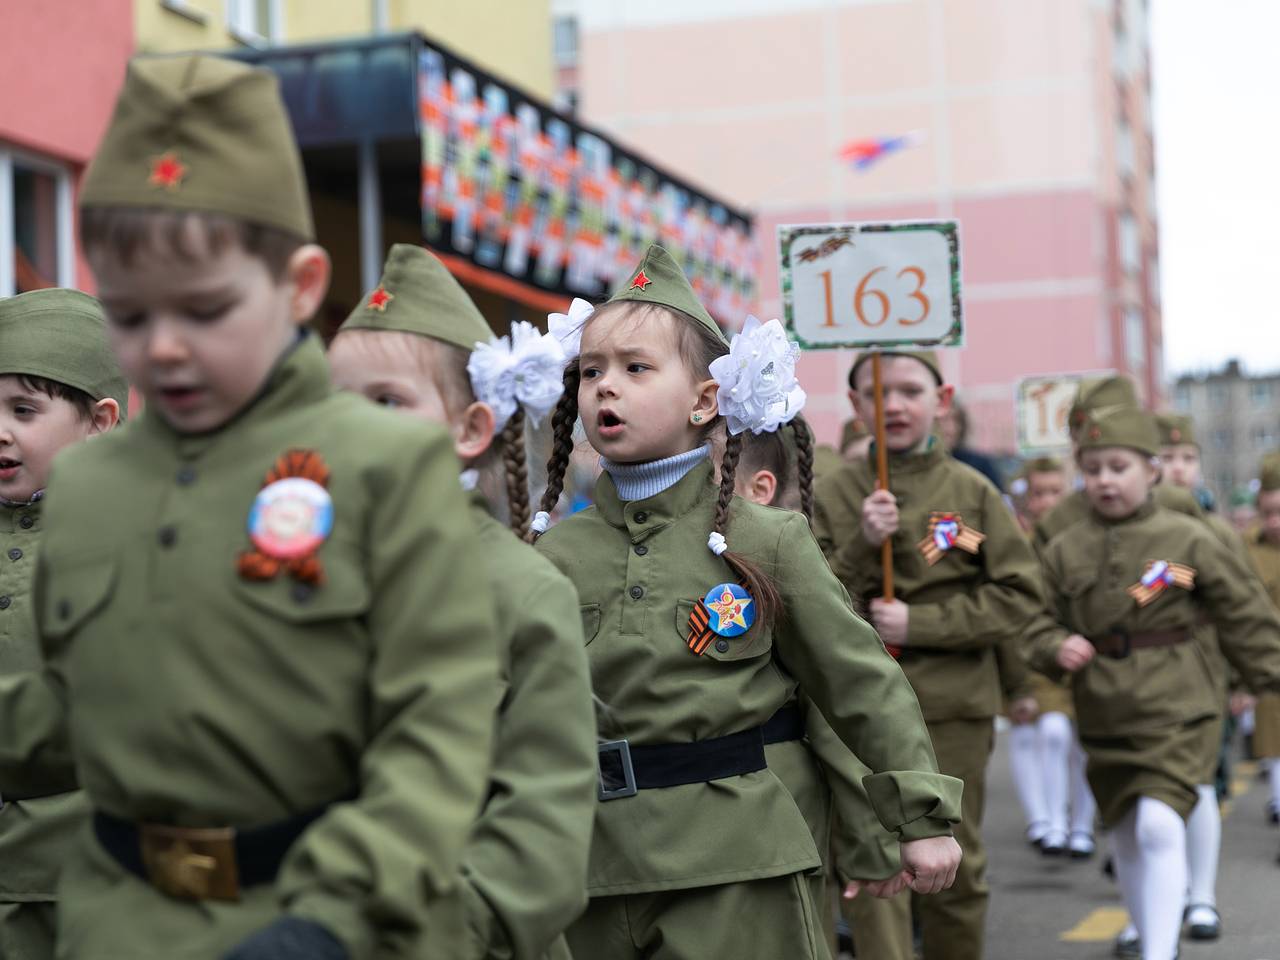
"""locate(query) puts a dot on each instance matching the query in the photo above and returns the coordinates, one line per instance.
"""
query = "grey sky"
(1216, 82)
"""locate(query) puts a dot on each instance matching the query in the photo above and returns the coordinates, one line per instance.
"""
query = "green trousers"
(952, 922)
(758, 918)
(27, 930)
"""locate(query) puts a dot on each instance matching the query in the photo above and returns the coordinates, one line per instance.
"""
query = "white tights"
(1204, 842)
(1150, 844)
(1048, 771)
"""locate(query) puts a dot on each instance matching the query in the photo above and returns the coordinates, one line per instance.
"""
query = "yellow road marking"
(1105, 923)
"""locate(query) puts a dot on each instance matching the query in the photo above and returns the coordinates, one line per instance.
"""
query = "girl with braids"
(703, 614)
(419, 344)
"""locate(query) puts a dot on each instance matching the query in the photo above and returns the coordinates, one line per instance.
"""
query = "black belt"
(258, 851)
(625, 769)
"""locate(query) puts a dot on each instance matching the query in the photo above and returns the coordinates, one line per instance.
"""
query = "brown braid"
(562, 423)
(804, 465)
(517, 473)
(757, 582)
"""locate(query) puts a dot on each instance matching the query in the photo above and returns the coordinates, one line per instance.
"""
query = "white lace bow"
(758, 388)
(567, 327)
(524, 369)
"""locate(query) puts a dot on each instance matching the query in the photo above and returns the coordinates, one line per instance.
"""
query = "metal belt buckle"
(189, 863)
(616, 776)
(1126, 645)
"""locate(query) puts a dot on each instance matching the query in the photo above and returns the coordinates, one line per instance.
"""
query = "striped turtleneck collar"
(639, 481)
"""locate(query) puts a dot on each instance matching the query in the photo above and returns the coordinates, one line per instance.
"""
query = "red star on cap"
(167, 171)
(640, 281)
(379, 299)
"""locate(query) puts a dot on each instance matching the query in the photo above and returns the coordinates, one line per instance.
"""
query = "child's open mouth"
(180, 398)
(610, 424)
(9, 468)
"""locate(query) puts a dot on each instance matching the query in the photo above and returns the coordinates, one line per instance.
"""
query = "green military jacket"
(640, 567)
(963, 607)
(1088, 571)
(1266, 559)
(197, 697)
(524, 869)
(1075, 507)
(35, 833)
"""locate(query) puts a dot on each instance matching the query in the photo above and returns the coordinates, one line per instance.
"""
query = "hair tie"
(541, 520)
(716, 543)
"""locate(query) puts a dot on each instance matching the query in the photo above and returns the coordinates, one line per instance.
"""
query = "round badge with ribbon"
(731, 610)
(290, 518)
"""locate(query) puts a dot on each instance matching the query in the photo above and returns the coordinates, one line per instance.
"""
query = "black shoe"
(1205, 931)
(1081, 845)
(1126, 948)
(1054, 844)
(1109, 868)
(1273, 812)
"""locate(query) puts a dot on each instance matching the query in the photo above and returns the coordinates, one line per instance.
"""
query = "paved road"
(1057, 909)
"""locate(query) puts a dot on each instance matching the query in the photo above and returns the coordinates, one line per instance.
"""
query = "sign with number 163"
(872, 284)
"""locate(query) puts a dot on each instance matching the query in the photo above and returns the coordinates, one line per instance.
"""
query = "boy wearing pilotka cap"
(965, 582)
(276, 638)
(59, 384)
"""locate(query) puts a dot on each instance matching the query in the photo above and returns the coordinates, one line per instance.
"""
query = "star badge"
(167, 171)
(640, 282)
(379, 299)
(731, 610)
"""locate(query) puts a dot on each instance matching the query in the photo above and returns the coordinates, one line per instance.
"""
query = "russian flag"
(863, 154)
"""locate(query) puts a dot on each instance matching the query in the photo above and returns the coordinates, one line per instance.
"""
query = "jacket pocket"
(590, 621)
(756, 642)
(74, 593)
(343, 594)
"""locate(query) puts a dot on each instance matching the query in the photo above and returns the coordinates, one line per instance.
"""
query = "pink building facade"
(1033, 123)
(61, 66)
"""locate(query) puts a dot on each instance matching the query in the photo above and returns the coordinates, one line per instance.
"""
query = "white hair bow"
(567, 327)
(525, 369)
(758, 390)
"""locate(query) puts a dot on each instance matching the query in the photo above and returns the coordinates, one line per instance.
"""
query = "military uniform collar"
(1143, 512)
(643, 517)
(21, 517)
(301, 376)
(915, 461)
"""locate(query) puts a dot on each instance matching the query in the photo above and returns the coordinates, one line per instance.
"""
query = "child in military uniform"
(693, 641)
(59, 384)
(1128, 587)
(1044, 753)
(965, 583)
(1264, 548)
(419, 345)
(263, 601)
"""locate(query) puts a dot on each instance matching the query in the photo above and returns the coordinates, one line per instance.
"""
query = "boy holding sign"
(965, 581)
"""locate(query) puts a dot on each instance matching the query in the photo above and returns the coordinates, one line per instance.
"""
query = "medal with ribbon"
(291, 516)
(726, 611)
(1159, 576)
(946, 531)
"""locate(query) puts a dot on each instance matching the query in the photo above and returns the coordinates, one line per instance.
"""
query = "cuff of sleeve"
(924, 624)
(342, 918)
(1043, 659)
(913, 805)
(865, 857)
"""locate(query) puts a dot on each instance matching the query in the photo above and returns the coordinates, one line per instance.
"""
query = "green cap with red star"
(660, 281)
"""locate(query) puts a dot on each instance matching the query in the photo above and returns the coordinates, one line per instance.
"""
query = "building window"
(1182, 398)
(255, 23)
(36, 245)
(1260, 393)
(564, 41)
(1218, 395)
(1263, 438)
(1135, 339)
(1221, 439)
(1125, 161)
(1130, 244)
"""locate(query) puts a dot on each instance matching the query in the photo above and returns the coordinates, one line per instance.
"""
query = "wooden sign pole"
(882, 470)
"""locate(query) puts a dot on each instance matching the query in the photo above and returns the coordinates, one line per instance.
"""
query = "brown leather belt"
(1120, 643)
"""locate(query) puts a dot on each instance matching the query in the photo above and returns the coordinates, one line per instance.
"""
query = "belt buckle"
(613, 767)
(191, 863)
(1126, 646)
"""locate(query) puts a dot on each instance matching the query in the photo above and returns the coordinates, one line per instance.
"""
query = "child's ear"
(946, 394)
(705, 405)
(104, 416)
(762, 487)
(473, 432)
(866, 416)
(308, 274)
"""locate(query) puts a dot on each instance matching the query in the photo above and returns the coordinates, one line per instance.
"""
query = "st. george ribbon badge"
(948, 530)
(291, 516)
(1159, 576)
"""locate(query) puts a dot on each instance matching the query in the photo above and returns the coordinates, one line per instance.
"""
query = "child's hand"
(1023, 710)
(890, 617)
(930, 864)
(879, 517)
(1074, 653)
(880, 889)
(1242, 701)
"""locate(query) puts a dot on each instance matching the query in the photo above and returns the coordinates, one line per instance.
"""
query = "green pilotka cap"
(1130, 427)
(1099, 395)
(1175, 429)
(1270, 476)
(660, 281)
(199, 133)
(1042, 465)
(928, 357)
(61, 335)
(418, 294)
